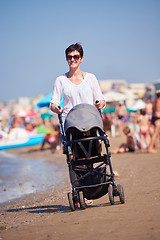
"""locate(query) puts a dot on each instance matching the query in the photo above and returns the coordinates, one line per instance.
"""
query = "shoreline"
(34, 153)
(28, 163)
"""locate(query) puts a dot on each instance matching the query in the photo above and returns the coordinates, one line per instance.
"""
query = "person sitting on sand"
(130, 145)
(143, 121)
(52, 139)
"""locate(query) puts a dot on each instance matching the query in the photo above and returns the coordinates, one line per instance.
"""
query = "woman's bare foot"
(88, 202)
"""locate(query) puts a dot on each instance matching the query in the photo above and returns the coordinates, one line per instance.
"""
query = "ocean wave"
(6, 154)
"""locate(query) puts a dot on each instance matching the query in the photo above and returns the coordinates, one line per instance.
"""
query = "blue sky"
(121, 40)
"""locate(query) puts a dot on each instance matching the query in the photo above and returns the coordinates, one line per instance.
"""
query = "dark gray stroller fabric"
(83, 117)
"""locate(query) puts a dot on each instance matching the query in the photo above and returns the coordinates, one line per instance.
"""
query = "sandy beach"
(46, 215)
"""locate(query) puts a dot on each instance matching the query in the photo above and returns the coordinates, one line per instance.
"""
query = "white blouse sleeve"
(57, 92)
(97, 93)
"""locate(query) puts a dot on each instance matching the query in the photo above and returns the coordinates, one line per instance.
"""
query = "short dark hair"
(143, 111)
(158, 92)
(74, 47)
(126, 130)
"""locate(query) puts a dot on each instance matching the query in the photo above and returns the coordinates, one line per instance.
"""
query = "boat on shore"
(19, 138)
(33, 140)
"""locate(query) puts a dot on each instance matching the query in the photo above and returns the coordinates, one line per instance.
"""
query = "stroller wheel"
(121, 193)
(71, 202)
(81, 200)
(110, 193)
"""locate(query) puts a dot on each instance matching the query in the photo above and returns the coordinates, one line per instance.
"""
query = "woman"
(75, 86)
(143, 121)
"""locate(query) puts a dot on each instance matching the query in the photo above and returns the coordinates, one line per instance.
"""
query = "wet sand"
(46, 214)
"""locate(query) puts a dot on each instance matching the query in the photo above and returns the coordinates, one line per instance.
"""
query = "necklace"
(81, 74)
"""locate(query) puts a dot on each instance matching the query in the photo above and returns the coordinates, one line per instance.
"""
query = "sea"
(19, 176)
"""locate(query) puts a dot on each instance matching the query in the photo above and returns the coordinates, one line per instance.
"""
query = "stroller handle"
(60, 118)
(60, 121)
(97, 101)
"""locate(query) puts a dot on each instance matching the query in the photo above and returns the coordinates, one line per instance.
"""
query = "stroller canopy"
(83, 117)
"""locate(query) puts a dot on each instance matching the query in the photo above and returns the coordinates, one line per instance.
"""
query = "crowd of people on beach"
(141, 128)
(19, 127)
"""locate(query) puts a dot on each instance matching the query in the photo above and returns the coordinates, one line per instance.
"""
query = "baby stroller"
(90, 171)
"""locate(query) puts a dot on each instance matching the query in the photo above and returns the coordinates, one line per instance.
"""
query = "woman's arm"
(97, 93)
(57, 95)
(55, 108)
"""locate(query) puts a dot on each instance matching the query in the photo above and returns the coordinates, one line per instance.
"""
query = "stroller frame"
(84, 177)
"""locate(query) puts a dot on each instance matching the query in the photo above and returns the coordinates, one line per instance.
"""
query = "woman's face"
(74, 59)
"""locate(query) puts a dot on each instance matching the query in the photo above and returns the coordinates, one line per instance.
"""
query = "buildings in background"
(132, 91)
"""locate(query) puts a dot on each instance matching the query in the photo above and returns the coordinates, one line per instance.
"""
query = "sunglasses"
(75, 57)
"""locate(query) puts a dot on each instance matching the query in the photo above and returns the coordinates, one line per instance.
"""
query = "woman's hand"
(55, 108)
(99, 104)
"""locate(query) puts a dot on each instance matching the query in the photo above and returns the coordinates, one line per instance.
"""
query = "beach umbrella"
(108, 110)
(32, 113)
(45, 102)
(139, 104)
(46, 116)
(113, 96)
(20, 113)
